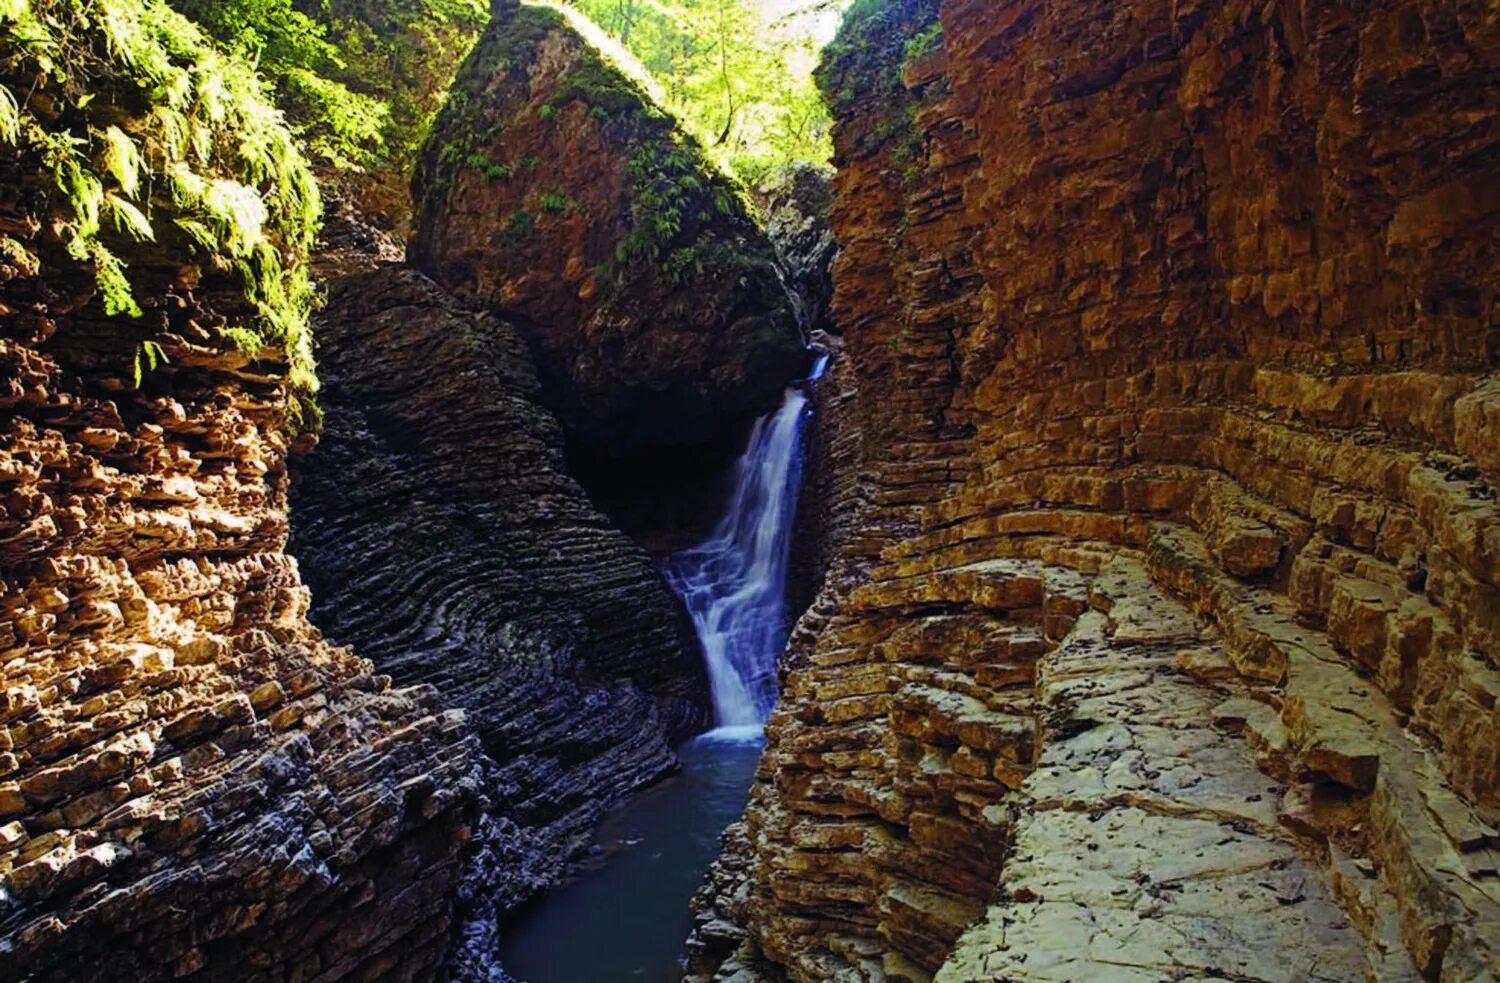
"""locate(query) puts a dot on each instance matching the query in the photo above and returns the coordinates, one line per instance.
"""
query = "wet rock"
(794, 205)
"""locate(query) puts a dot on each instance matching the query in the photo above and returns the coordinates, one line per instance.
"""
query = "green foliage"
(359, 79)
(148, 355)
(741, 85)
(555, 202)
(923, 44)
(518, 228)
(207, 163)
(874, 42)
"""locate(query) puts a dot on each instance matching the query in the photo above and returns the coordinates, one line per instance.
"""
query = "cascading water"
(626, 919)
(734, 583)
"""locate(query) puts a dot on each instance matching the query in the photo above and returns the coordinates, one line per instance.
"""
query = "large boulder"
(554, 187)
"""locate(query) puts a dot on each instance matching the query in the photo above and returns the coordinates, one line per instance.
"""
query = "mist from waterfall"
(734, 583)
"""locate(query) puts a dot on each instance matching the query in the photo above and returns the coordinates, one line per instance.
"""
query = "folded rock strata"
(192, 779)
(444, 538)
(1165, 643)
(193, 783)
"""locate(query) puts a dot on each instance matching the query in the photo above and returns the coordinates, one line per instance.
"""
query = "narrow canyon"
(470, 512)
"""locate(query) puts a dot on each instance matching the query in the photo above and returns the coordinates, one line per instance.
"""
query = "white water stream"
(734, 583)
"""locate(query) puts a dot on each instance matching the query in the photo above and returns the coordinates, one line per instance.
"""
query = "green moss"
(861, 76)
(923, 44)
(689, 222)
(204, 160)
(871, 47)
(518, 228)
(466, 126)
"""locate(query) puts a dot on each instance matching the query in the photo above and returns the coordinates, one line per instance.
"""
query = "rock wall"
(554, 187)
(1165, 644)
(444, 538)
(192, 779)
(193, 783)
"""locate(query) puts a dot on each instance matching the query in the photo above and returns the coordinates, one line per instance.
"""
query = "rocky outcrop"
(443, 537)
(193, 783)
(1164, 644)
(794, 206)
(553, 187)
(192, 778)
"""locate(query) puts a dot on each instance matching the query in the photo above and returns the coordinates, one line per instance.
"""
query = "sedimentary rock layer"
(192, 779)
(444, 538)
(1178, 656)
(193, 783)
(554, 187)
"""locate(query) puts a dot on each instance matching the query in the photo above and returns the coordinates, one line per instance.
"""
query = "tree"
(741, 85)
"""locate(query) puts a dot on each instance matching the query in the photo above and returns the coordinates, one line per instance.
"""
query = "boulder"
(554, 187)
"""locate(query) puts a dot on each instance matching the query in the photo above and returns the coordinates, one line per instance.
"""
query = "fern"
(224, 169)
(129, 219)
(148, 355)
(109, 272)
(10, 116)
(122, 159)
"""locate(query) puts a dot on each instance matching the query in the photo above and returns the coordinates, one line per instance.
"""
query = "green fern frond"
(122, 159)
(148, 355)
(129, 219)
(10, 116)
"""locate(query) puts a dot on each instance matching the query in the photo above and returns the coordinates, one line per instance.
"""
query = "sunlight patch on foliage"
(211, 158)
(738, 73)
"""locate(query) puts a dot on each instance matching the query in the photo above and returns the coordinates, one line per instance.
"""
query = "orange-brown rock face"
(192, 779)
(193, 783)
(553, 187)
(1166, 645)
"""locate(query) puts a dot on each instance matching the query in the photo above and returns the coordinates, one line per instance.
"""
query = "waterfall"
(734, 582)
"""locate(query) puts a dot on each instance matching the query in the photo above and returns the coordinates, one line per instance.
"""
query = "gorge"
(1116, 598)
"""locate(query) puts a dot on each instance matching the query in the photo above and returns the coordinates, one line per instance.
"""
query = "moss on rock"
(141, 158)
(653, 298)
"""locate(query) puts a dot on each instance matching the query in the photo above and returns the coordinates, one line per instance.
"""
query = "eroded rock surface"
(1164, 645)
(794, 205)
(554, 187)
(193, 783)
(444, 539)
(193, 779)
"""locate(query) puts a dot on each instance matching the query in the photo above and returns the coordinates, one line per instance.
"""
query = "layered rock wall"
(192, 779)
(1166, 642)
(193, 783)
(444, 537)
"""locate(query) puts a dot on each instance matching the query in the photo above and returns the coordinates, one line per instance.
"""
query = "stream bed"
(626, 916)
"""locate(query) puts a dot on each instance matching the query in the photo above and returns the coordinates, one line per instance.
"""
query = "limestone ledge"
(1164, 643)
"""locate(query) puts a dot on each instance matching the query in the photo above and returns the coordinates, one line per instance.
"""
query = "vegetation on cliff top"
(874, 41)
(678, 193)
(358, 80)
(737, 73)
(143, 135)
